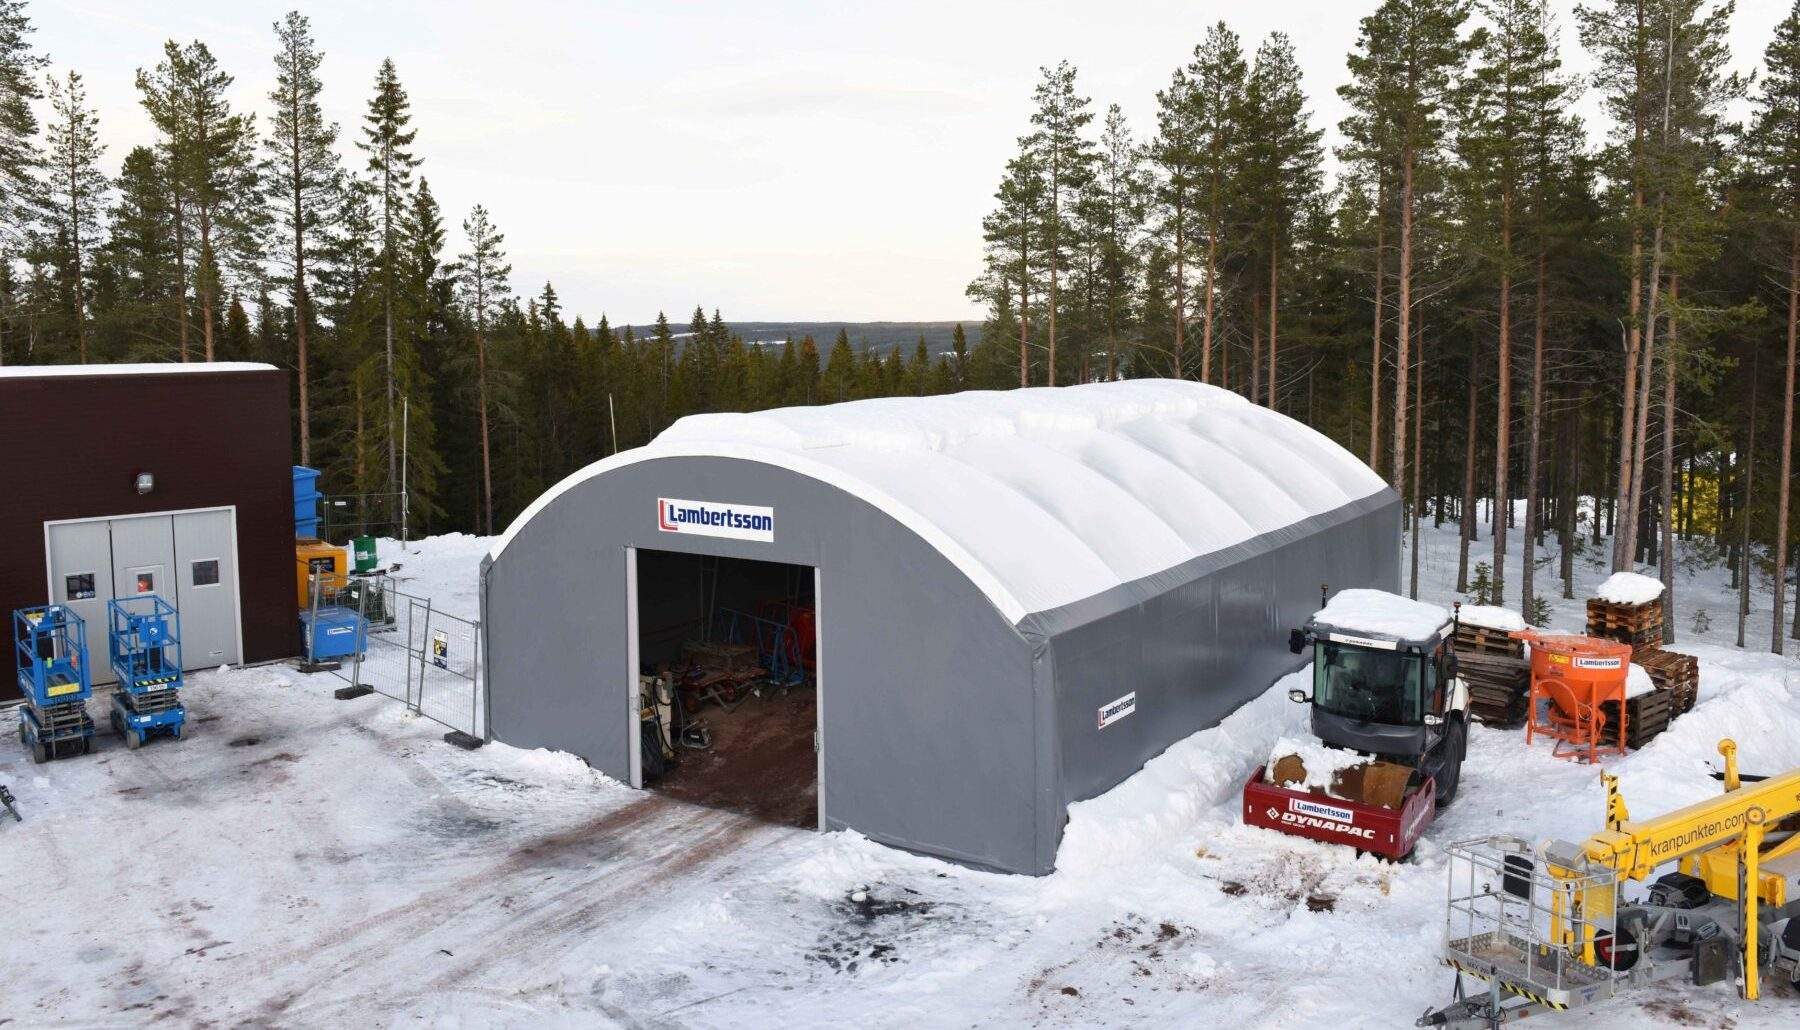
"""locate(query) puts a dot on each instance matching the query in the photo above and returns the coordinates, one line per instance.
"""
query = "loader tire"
(1456, 743)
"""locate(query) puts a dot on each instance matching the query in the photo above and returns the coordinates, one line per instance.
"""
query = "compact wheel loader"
(1384, 687)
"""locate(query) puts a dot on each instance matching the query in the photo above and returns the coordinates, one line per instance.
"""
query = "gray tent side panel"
(1196, 650)
(930, 741)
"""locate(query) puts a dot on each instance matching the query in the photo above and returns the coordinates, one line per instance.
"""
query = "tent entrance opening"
(728, 691)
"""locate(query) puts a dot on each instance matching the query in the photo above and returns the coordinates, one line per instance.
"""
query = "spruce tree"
(19, 156)
(75, 189)
(140, 249)
(303, 177)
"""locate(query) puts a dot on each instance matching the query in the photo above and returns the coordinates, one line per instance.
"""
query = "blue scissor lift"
(144, 641)
(50, 649)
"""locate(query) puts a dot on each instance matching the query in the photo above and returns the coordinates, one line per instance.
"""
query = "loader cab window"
(1368, 684)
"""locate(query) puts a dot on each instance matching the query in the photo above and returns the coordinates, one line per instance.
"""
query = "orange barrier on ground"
(1576, 674)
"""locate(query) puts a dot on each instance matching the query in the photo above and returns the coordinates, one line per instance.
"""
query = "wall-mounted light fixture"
(146, 482)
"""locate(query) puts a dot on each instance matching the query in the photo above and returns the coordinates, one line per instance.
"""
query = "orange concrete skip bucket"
(1576, 675)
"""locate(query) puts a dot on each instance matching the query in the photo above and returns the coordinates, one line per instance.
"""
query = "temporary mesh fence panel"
(428, 660)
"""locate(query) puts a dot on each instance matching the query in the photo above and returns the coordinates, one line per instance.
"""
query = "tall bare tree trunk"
(1206, 324)
(1743, 562)
(1470, 524)
(1403, 337)
(1787, 453)
(1274, 306)
(487, 467)
(1528, 555)
(181, 272)
(1572, 494)
(1503, 405)
(1180, 286)
(1255, 344)
(1417, 465)
(1054, 252)
(1671, 351)
(300, 298)
(1024, 301)
(1375, 356)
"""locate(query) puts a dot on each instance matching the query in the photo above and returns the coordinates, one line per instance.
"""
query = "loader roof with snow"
(1020, 596)
(1376, 618)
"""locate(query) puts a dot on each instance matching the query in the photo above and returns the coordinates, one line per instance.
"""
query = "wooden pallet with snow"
(1677, 673)
(1639, 625)
(1471, 639)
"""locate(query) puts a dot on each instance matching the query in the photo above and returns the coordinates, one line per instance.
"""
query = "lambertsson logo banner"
(711, 518)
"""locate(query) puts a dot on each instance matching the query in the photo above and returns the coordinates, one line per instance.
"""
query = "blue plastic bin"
(306, 502)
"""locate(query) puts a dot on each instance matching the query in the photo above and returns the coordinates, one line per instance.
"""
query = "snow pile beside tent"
(1629, 588)
(1489, 616)
(1382, 614)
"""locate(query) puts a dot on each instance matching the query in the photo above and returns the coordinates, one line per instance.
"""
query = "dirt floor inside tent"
(761, 762)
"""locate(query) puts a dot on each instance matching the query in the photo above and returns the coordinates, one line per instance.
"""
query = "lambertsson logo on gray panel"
(715, 518)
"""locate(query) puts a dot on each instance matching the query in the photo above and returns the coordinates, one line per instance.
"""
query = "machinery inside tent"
(1014, 599)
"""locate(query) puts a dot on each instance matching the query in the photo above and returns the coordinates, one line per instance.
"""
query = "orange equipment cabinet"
(316, 557)
(1576, 674)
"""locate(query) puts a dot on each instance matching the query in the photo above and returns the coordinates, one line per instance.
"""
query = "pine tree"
(1011, 233)
(1220, 79)
(1408, 59)
(388, 139)
(1284, 165)
(1511, 84)
(1120, 198)
(482, 281)
(1176, 154)
(1775, 146)
(1066, 159)
(75, 191)
(211, 155)
(303, 178)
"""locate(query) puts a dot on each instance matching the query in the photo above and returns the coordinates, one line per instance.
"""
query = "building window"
(79, 587)
(206, 572)
(146, 582)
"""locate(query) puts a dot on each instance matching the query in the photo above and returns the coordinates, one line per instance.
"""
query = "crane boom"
(1635, 847)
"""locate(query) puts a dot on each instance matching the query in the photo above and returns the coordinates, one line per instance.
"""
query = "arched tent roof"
(1042, 497)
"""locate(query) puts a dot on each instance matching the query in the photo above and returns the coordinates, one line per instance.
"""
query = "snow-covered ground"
(304, 861)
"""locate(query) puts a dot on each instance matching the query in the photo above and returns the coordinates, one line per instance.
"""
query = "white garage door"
(189, 558)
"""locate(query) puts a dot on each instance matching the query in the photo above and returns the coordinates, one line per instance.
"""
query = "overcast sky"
(777, 160)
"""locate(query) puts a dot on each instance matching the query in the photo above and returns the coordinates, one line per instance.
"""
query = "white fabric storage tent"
(996, 572)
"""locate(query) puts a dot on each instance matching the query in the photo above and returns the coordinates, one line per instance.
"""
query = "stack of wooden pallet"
(1640, 625)
(1493, 664)
(1677, 674)
(1499, 688)
(1647, 715)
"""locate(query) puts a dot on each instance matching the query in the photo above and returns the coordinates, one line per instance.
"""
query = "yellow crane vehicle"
(1545, 929)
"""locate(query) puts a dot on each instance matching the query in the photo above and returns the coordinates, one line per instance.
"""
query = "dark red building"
(172, 479)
